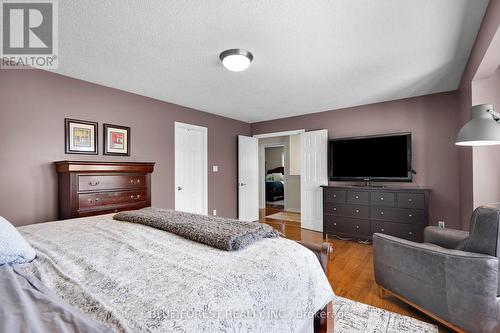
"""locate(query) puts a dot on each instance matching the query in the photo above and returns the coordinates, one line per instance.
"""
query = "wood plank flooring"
(350, 268)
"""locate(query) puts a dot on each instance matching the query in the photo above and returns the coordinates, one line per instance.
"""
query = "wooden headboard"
(276, 170)
(93, 188)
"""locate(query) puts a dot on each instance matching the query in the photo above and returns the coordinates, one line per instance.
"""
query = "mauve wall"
(486, 160)
(487, 31)
(432, 121)
(33, 105)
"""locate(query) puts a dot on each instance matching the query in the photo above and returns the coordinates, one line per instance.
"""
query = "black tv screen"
(371, 158)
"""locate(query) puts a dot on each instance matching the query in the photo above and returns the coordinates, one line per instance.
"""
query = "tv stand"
(359, 212)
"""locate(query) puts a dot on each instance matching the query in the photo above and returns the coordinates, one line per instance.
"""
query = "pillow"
(278, 177)
(13, 248)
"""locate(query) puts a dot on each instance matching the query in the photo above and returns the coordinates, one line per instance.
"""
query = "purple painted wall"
(431, 119)
(489, 28)
(33, 105)
(486, 160)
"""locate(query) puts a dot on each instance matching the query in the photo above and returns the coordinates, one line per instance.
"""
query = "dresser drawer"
(347, 226)
(357, 211)
(414, 216)
(385, 199)
(110, 182)
(109, 198)
(111, 209)
(357, 197)
(334, 195)
(407, 231)
(411, 200)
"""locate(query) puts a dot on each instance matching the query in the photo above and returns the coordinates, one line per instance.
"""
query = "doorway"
(191, 188)
(274, 163)
(279, 177)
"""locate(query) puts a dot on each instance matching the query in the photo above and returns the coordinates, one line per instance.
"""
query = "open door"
(314, 174)
(248, 178)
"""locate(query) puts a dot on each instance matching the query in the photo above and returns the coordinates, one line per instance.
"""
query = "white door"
(191, 189)
(314, 173)
(248, 178)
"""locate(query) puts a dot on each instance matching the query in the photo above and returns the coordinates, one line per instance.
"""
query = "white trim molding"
(284, 133)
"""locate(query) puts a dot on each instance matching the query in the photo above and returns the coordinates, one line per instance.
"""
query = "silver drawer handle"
(409, 215)
(138, 196)
(357, 227)
(131, 181)
(334, 195)
(382, 229)
(94, 183)
(138, 181)
(410, 200)
(131, 196)
(334, 208)
(357, 197)
(357, 210)
(335, 224)
(410, 233)
(381, 213)
(382, 198)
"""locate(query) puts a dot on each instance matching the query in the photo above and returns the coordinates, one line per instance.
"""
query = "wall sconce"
(483, 129)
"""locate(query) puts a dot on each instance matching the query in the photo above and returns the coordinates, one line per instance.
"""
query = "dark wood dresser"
(359, 212)
(93, 188)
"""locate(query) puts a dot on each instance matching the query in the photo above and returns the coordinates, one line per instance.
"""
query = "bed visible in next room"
(135, 278)
(275, 189)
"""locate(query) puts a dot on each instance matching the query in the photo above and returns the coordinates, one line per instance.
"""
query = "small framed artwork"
(80, 137)
(116, 140)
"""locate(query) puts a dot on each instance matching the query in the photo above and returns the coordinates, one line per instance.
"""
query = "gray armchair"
(452, 276)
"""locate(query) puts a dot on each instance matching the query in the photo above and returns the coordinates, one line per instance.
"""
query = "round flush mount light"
(236, 60)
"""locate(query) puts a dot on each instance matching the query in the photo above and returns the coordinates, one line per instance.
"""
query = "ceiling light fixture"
(236, 60)
(483, 128)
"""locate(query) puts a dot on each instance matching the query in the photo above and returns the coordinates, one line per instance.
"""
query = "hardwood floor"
(350, 269)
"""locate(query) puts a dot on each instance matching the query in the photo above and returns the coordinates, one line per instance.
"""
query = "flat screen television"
(384, 158)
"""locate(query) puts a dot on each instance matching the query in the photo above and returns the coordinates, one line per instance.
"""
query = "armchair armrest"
(457, 286)
(447, 238)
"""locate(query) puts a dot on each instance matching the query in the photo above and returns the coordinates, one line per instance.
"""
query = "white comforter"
(139, 279)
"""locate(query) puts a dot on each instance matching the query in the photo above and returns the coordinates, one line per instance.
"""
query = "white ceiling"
(309, 55)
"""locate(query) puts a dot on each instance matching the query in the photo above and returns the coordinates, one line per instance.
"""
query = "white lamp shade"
(481, 130)
(236, 60)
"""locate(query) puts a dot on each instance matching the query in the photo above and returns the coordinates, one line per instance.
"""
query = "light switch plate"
(215, 168)
(214, 212)
(441, 224)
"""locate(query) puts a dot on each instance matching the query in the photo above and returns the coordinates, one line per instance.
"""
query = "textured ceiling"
(309, 56)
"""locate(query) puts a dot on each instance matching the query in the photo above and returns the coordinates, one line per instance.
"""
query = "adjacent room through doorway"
(279, 178)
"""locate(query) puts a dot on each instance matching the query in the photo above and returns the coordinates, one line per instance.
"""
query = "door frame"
(274, 134)
(204, 181)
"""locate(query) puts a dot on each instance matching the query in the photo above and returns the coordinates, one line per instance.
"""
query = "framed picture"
(116, 140)
(80, 137)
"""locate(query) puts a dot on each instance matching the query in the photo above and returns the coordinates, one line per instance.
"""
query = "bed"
(274, 187)
(136, 278)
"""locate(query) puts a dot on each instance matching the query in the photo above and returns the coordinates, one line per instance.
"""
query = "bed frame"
(323, 320)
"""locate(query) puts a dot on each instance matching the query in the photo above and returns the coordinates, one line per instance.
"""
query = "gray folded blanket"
(222, 233)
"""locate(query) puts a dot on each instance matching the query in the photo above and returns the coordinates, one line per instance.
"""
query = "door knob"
(179, 188)
(242, 184)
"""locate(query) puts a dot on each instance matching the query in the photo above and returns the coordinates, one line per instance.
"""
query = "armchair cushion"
(447, 238)
(484, 237)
